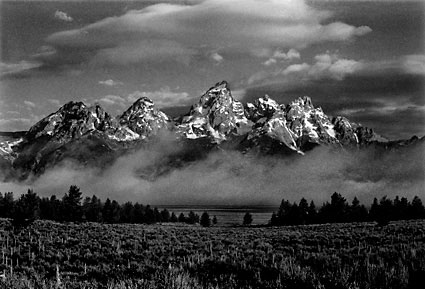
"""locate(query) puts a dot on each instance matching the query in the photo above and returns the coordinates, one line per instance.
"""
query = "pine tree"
(338, 207)
(417, 210)
(283, 213)
(7, 205)
(247, 219)
(127, 213)
(294, 215)
(157, 215)
(165, 215)
(56, 206)
(149, 215)
(374, 210)
(173, 218)
(386, 211)
(27, 209)
(303, 211)
(356, 212)
(214, 220)
(205, 220)
(94, 211)
(192, 218)
(312, 214)
(139, 213)
(71, 202)
(274, 221)
(116, 211)
(182, 218)
(107, 211)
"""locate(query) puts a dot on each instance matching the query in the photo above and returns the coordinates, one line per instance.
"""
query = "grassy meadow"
(91, 255)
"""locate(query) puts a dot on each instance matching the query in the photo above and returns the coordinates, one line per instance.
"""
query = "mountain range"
(89, 135)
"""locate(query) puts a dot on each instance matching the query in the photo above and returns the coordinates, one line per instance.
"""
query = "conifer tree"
(27, 209)
(214, 220)
(182, 218)
(71, 204)
(205, 220)
(173, 218)
(192, 218)
(247, 219)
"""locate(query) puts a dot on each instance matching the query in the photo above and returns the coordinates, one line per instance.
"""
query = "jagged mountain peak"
(217, 115)
(143, 101)
(140, 107)
(72, 120)
(73, 106)
(263, 107)
(219, 94)
(304, 102)
(143, 118)
(222, 85)
(298, 125)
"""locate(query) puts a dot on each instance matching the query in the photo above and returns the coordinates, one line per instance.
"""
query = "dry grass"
(90, 255)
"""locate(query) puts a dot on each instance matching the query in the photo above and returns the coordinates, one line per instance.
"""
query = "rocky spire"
(217, 115)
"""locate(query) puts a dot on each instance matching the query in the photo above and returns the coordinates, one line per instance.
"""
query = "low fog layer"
(229, 177)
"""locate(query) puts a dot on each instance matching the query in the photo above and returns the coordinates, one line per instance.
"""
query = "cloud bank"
(205, 29)
(228, 177)
(17, 69)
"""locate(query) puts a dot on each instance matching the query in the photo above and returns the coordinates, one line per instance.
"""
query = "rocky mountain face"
(299, 126)
(143, 119)
(74, 120)
(89, 135)
(217, 115)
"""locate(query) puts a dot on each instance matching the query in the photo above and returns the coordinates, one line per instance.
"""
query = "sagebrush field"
(90, 255)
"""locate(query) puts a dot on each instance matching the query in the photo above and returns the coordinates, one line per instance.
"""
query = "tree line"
(338, 210)
(73, 208)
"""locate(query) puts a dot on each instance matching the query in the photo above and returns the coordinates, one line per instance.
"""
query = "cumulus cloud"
(110, 82)
(278, 54)
(60, 15)
(217, 57)
(270, 61)
(325, 66)
(180, 32)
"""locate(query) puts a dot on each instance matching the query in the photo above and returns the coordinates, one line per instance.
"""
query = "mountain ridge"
(217, 119)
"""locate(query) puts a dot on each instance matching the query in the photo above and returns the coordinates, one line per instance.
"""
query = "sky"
(364, 60)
